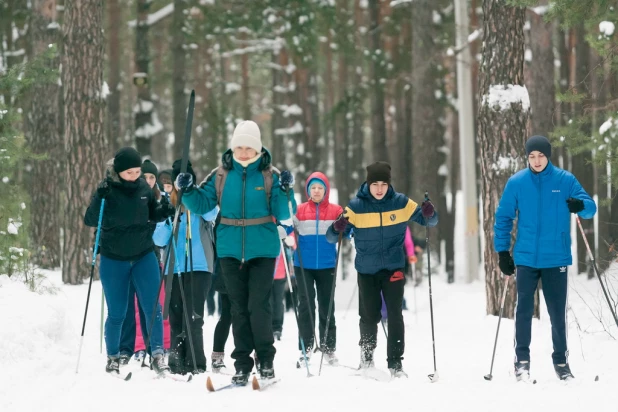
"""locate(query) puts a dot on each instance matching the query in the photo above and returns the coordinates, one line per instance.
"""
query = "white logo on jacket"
(563, 269)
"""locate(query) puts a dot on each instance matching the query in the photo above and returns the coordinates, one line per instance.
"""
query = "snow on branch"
(155, 17)
(501, 98)
(295, 129)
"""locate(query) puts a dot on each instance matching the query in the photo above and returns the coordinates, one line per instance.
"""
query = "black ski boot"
(522, 371)
(113, 366)
(159, 366)
(217, 361)
(124, 359)
(241, 378)
(563, 372)
(396, 369)
(267, 371)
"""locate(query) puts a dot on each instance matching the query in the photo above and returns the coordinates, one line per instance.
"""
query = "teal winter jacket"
(244, 197)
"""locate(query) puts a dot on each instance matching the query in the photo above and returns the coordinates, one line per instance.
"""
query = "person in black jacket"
(127, 250)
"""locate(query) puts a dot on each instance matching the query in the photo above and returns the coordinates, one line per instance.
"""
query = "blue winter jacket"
(244, 197)
(538, 200)
(201, 239)
(379, 229)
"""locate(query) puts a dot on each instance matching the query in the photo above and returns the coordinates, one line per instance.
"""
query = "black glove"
(427, 209)
(507, 266)
(286, 179)
(104, 187)
(575, 205)
(168, 210)
(184, 182)
(340, 224)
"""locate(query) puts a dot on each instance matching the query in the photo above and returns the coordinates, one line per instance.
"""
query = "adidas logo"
(563, 269)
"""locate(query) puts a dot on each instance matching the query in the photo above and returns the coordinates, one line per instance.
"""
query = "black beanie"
(149, 167)
(165, 177)
(538, 143)
(378, 172)
(127, 158)
(176, 170)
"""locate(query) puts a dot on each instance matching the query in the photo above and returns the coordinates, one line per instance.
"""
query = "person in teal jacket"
(542, 197)
(196, 287)
(251, 195)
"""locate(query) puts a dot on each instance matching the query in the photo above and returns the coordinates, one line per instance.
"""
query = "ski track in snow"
(39, 340)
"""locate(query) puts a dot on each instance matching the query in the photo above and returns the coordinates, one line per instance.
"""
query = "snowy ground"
(39, 338)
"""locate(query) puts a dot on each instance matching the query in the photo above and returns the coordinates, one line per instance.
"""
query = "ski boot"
(241, 378)
(396, 369)
(366, 361)
(563, 371)
(140, 355)
(522, 371)
(113, 366)
(301, 363)
(158, 365)
(331, 358)
(124, 359)
(267, 371)
(217, 361)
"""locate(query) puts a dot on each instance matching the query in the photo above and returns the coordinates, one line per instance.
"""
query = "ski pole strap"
(247, 222)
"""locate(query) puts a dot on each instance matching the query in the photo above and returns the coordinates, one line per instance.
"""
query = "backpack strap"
(220, 178)
(267, 173)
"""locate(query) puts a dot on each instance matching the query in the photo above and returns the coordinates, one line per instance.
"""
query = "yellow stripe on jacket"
(373, 219)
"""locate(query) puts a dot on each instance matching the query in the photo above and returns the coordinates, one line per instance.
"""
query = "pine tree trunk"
(542, 86)
(502, 133)
(43, 136)
(114, 32)
(84, 138)
(378, 77)
(178, 76)
(427, 132)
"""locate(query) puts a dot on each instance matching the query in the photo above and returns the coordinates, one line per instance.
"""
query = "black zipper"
(244, 185)
(382, 235)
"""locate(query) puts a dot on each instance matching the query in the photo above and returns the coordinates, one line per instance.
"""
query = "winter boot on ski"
(241, 378)
(159, 365)
(522, 371)
(396, 369)
(217, 361)
(366, 361)
(267, 371)
(331, 358)
(113, 365)
(563, 371)
(124, 359)
(300, 363)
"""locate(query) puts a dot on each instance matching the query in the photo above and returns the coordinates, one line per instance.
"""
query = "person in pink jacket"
(278, 291)
(408, 244)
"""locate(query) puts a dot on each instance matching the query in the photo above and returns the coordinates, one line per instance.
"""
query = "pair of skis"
(256, 384)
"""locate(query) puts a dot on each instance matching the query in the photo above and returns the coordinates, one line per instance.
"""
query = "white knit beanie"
(247, 134)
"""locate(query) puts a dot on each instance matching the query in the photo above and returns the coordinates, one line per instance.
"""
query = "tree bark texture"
(502, 133)
(84, 136)
(378, 78)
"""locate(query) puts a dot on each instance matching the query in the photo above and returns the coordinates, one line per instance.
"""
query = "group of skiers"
(237, 230)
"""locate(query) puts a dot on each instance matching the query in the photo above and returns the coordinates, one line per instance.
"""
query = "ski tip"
(255, 383)
(128, 377)
(534, 382)
(190, 377)
(209, 385)
(596, 378)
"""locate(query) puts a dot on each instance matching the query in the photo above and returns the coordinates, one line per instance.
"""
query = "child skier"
(250, 192)
(379, 216)
(196, 285)
(126, 249)
(542, 196)
(319, 258)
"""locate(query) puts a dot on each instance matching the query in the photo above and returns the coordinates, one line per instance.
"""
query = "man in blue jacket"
(379, 217)
(542, 197)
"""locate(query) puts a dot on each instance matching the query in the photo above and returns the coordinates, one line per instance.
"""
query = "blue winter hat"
(312, 182)
(538, 143)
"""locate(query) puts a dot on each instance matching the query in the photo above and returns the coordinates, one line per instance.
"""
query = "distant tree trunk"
(378, 78)
(114, 51)
(582, 166)
(246, 88)
(502, 133)
(178, 76)
(542, 86)
(84, 137)
(428, 151)
(42, 134)
(277, 117)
